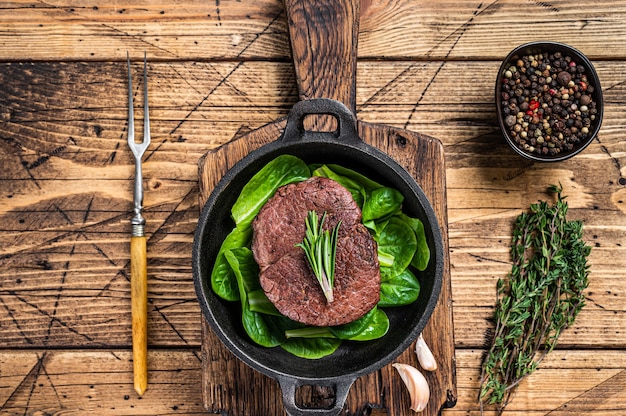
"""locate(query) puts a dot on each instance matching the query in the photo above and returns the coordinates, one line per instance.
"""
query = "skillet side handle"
(288, 387)
(324, 37)
(346, 132)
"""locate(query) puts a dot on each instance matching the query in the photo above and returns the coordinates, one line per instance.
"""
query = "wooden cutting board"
(231, 387)
(324, 37)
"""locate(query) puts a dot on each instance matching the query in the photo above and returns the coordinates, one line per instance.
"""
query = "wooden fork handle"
(139, 301)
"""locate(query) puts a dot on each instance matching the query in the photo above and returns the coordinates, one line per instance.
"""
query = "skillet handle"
(324, 37)
(289, 386)
(346, 132)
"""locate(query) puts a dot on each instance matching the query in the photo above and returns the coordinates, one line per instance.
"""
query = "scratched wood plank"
(100, 382)
(66, 189)
(223, 100)
(252, 29)
(592, 387)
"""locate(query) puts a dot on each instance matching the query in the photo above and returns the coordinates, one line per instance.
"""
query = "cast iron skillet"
(352, 359)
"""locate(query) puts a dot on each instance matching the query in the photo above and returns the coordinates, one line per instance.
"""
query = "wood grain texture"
(256, 29)
(429, 67)
(139, 311)
(100, 382)
(324, 38)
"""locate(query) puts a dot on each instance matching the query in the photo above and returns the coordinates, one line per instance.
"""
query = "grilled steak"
(286, 276)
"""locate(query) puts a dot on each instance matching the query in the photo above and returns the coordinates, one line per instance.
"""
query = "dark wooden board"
(231, 387)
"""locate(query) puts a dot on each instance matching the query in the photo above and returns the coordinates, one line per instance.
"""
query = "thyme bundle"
(541, 297)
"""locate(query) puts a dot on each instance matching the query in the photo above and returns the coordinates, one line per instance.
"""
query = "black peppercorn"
(564, 77)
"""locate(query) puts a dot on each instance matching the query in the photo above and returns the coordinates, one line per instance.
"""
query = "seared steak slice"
(280, 224)
(286, 276)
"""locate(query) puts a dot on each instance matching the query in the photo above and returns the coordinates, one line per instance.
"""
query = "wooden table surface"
(220, 69)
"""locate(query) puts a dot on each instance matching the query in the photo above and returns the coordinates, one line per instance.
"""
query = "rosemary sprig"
(320, 248)
(542, 296)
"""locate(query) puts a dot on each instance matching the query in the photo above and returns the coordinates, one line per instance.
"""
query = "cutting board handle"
(324, 37)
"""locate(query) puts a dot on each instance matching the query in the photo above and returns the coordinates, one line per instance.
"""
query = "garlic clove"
(425, 355)
(416, 384)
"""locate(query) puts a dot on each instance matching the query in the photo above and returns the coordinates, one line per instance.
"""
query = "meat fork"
(138, 257)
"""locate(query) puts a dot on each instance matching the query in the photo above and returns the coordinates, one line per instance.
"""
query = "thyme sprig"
(542, 296)
(320, 248)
